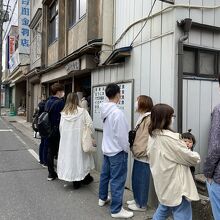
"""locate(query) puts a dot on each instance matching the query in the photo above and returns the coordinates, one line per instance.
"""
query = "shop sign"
(125, 104)
(11, 45)
(14, 61)
(24, 30)
(73, 66)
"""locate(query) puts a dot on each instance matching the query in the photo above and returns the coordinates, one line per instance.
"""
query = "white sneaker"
(123, 214)
(130, 202)
(134, 207)
(102, 202)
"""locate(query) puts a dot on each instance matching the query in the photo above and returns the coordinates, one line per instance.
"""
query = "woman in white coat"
(74, 165)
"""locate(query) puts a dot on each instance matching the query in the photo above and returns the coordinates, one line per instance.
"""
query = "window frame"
(51, 19)
(198, 51)
(78, 18)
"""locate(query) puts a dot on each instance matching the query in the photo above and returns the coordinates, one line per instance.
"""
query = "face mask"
(136, 105)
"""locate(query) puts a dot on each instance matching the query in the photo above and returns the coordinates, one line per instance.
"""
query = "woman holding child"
(170, 162)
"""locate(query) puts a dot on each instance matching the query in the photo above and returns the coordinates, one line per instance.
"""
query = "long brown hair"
(72, 101)
(161, 117)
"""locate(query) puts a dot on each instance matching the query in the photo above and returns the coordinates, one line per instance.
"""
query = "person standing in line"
(43, 148)
(115, 148)
(74, 165)
(55, 104)
(212, 162)
(170, 161)
(141, 168)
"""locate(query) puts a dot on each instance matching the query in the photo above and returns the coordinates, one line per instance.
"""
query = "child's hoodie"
(115, 129)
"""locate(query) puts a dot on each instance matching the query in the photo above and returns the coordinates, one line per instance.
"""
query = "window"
(201, 62)
(54, 22)
(77, 9)
(189, 61)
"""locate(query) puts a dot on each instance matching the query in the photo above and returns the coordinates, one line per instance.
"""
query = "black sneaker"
(52, 177)
(87, 180)
(76, 184)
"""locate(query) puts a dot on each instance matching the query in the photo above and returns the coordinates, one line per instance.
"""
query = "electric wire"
(144, 23)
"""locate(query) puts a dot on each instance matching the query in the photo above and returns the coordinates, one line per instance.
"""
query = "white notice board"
(126, 103)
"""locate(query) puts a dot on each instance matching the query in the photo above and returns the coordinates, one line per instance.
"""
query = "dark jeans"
(53, 147)
(114, 170)
(140, 183)
(43, 149)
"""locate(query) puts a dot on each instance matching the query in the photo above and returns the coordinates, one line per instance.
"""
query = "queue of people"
(158, 151)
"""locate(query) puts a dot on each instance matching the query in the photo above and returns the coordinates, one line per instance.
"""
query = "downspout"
(186, 25)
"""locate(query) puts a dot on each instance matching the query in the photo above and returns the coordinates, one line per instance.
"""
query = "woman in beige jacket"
(170, 162)
(141, 168)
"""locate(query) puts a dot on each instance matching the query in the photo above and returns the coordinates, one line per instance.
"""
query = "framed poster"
(126, 102)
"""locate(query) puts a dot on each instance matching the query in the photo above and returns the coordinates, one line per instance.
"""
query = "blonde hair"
(72, 101)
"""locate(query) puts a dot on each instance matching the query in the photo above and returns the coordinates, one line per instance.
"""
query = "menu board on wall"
(126, 103)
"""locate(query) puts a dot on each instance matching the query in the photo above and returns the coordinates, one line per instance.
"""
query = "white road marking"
(34, 154)
(20, 139)
(31, 151)
(7, 130)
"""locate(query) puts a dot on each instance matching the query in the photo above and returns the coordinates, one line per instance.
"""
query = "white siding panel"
(195, 37)
(121, 72)
(137, 70)
(185, 104)
(131, 19)
(205, 112)
(101, 73)
(146, 33)
(107, 75)
(196, 14)
(95, 77)
(155, 70)
(193, 117)
(114, 74)
(215, 94)
(138, 12)
(217, 39)
(208, 15)
(156, 26)
(167, 22)
(217, 14)
(145, 69)
(128, 68)
(207, 39)
(167, 68)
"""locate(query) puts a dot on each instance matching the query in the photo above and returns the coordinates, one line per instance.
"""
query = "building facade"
(34, 94)
(171, 54)
(162, 59)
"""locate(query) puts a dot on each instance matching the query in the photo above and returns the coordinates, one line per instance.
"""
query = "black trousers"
(53, 148)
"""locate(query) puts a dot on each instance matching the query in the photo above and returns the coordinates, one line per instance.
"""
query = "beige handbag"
(88, 142)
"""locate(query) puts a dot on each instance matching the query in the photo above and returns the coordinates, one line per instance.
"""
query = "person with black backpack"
(53, 107)
(43, 143)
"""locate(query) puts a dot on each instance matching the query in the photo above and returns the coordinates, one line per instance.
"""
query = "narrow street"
(25, 192)
(27, 195)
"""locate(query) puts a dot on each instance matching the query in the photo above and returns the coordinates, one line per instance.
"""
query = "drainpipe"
(186, 25)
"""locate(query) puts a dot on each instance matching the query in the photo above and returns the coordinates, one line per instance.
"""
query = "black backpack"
(44, 125)
(35, 121)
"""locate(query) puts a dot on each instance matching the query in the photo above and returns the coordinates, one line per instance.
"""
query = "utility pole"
(1, 34)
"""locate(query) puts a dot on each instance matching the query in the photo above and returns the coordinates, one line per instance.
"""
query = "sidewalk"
(25, 128)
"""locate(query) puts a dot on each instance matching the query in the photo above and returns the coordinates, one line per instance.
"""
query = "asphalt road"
(25, 193)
